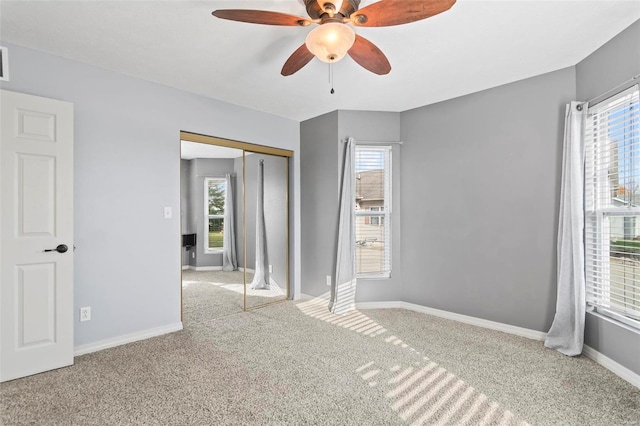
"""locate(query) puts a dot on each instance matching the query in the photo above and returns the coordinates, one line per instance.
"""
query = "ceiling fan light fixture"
(330, 6)
(334, 37)
(330, 42)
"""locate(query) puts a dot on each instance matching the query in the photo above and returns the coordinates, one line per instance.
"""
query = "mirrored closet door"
(235, 225)
(212, 285)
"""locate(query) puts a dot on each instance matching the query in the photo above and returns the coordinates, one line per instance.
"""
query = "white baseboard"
(208, 268)
(127, 338)
(618, 369)
(305, 296)
(396, 304)
(251, 271)
(587, 351)
(479, 322)
(492, 325)
(202, 268)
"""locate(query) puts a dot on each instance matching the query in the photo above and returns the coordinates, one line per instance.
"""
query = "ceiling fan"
(334, 38)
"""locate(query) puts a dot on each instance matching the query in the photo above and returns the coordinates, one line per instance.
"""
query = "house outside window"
(373, 211)
(377, 221)
(612, 207)
(214, 193)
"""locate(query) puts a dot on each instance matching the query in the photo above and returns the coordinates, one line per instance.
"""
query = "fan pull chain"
(331, 77)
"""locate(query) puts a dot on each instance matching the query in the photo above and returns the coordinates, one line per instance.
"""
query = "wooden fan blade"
(261, 17)
(367, 55)
(299, 59)
(396, 12)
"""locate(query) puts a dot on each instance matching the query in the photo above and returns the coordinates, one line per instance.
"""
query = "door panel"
(36, 197)
(36, 214)
(32, 125)
(35, 310)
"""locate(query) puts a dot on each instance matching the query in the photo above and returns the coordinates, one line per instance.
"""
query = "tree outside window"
(215, 190)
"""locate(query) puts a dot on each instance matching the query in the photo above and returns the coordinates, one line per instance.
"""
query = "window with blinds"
(612, 207)
(214, 194)
(373, 211)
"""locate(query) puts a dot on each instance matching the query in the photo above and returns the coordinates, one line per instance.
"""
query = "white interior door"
(36, 214)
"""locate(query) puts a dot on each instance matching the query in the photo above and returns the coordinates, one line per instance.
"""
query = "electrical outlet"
(168, 212)
(193, 255)
(85, 314)
(329, 280)
(271, 269)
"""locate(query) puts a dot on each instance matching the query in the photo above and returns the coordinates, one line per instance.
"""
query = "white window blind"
(214, 200)
(612, 207)
(373, 211)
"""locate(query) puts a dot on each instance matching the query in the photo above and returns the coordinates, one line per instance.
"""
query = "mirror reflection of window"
(215, 188)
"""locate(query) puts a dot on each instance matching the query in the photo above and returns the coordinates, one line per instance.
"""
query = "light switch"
(168, 212)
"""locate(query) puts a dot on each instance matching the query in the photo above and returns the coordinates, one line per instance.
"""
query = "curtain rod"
(635, 77)
(374, 142)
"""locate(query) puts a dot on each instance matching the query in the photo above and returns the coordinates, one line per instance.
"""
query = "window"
(612, 207)
(214, 199)
(373, 211)
(375, 220)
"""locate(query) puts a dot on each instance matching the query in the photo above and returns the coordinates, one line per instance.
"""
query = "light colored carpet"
(221, 292)
(213, 293)
(295, 364)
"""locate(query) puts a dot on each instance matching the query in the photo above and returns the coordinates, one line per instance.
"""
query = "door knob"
(62, 248)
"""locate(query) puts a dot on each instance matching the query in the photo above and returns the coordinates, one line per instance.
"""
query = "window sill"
(592, 311)
(216, 251)
(373, 277)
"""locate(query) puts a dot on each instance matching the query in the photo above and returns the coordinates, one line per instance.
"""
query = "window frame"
(597, 241)
(207, 216)
(384, 214)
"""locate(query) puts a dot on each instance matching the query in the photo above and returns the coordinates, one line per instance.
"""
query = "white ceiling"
(474, 46)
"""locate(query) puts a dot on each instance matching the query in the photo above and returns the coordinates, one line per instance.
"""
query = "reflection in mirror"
(265, 255)
(212, 285)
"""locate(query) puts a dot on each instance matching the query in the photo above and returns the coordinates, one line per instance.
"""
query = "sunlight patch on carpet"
(423, 393)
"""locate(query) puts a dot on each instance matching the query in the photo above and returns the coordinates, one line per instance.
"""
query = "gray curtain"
(567, 331)
(229, 256)
(261, 276)
(343, 288)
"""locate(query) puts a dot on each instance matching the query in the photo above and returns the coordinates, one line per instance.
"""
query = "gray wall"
(480, 191)
(127, 169)
(319, 145)
(611, 65)
(191, 212)
(202, 168)
(185, 196)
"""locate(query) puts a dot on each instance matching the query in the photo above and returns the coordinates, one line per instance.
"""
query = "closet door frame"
(258, 149)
